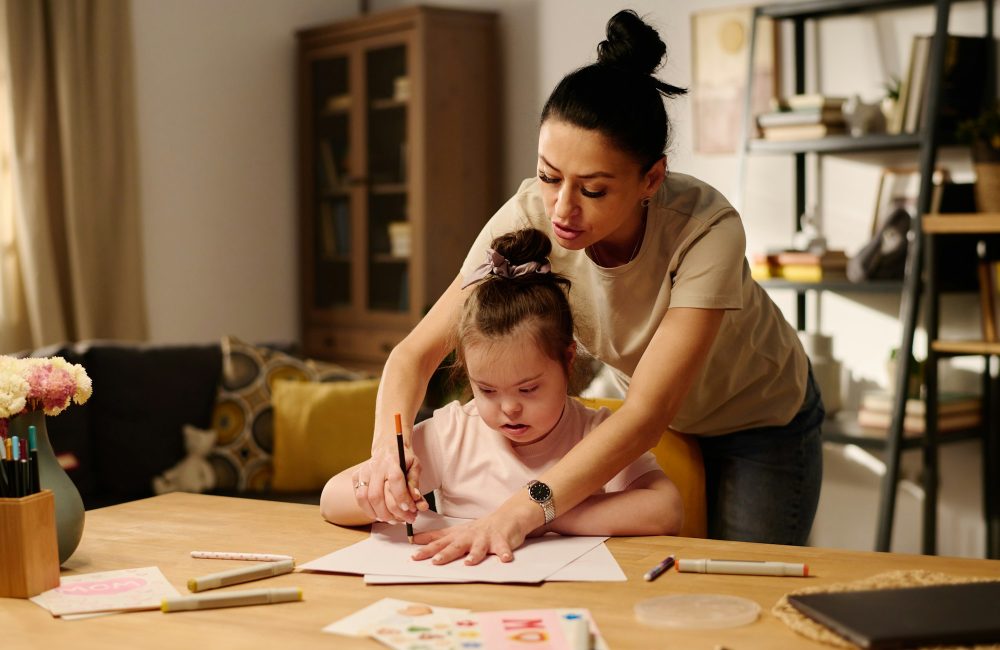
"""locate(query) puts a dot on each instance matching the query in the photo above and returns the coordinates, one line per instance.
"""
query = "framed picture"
(899, 187)
(720, 41)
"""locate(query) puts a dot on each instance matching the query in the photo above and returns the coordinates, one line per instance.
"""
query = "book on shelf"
(329, 166)
(335, 230)
(949, 403)
(989, 299)
(829, 259)
(956, 411)
(793, 132)
(799, 266)
(328, 232)
(810, 101)
(916, 83)
(914, 425)
(962, 83)
(827, 115)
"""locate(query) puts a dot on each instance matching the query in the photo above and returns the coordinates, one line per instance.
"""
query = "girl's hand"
(494, 534)
(380, 490)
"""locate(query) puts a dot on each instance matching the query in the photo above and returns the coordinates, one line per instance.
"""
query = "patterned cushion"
(243, 415)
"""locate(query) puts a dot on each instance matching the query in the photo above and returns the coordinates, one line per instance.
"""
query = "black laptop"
(911, 617)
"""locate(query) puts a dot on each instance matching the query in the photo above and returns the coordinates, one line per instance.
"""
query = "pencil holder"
(29, 554)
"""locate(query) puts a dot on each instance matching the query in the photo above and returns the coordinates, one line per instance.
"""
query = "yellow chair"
(680, 457)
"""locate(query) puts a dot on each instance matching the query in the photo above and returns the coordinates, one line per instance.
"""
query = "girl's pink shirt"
(475, 469)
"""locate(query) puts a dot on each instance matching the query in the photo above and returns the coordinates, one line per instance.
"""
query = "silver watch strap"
(549, 509)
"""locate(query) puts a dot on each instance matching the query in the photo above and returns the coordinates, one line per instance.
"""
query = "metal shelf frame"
(919, 262)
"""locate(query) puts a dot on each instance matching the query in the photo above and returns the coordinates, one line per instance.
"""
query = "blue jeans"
(762, 485)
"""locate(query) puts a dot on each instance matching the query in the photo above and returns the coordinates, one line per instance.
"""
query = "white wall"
(216, 95)
(216, 99)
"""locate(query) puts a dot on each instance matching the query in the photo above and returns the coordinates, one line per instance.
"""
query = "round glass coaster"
(697, 611)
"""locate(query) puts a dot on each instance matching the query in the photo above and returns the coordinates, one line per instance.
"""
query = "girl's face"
(591, 189)
(519, 391)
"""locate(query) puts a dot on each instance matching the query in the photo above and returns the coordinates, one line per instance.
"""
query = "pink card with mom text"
(107, 591)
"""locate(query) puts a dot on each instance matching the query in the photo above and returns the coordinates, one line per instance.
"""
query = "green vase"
(51, 476)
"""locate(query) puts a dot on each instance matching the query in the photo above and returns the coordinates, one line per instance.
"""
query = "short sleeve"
(709, 274)
(427, 447)
(643, 465)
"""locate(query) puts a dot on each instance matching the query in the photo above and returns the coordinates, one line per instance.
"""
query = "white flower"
(48, 385)
(13, 387)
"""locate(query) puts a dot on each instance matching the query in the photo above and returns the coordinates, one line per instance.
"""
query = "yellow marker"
(242, 574)
(232, 599)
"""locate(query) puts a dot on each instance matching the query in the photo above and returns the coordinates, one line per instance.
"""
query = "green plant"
(892, 88)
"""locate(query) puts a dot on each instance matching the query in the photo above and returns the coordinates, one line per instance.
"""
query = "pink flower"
(51, 388)
(41, 384)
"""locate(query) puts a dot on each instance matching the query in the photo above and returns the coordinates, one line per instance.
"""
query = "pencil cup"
(29, 558)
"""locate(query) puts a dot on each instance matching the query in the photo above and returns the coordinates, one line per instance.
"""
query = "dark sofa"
(131, 429)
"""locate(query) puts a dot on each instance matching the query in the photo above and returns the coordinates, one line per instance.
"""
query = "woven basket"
(987, 186)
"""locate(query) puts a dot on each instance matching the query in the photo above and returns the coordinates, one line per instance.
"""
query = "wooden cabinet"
(399, 150)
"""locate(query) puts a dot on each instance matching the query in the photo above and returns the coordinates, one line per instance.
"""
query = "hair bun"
(523, 246)
(632, 44)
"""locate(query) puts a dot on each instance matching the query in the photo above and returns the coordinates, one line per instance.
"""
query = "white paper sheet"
(387, 552)
(596, 565)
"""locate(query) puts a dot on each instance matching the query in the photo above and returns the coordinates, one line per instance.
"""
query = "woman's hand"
(380, 490)
(495, 534)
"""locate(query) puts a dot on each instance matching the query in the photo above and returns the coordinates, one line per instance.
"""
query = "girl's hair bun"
(632, 44)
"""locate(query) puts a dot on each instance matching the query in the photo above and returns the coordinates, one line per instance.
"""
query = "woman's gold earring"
(645, 202)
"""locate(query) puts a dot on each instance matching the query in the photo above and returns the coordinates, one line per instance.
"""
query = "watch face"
(539, 492)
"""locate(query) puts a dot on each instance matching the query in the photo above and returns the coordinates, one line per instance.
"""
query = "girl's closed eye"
(545, 178)
(529, 389)
(592, 194)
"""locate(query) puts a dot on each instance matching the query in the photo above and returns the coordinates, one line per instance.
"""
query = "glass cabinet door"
(332, 217)
(388, 225)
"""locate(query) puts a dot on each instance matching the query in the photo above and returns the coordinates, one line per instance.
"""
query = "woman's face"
(520, 392)
(591, 189)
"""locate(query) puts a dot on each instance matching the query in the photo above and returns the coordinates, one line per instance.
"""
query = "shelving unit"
(937, 227)
(398, 114)
(925, 144)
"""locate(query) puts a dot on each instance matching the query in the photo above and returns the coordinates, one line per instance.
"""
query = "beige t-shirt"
(475, 469)
(693, 254)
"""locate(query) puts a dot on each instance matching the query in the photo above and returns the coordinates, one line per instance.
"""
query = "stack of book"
(800, 266)
(803, 117)
(956, 411)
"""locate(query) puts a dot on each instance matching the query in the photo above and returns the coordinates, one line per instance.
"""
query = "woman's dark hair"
(618, 96)
(498, 305)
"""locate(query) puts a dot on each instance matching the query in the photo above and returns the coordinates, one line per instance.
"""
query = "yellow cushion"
(680, 457)
(319, 430)
(243, 413)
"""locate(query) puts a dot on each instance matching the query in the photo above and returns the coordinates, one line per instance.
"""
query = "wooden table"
(162, 531)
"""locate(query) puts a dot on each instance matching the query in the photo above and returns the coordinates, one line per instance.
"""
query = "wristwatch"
(541, 494)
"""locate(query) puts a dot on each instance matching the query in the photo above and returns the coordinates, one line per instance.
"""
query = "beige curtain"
(70, 239)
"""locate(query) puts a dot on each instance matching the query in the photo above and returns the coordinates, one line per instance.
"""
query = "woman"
(662, 293)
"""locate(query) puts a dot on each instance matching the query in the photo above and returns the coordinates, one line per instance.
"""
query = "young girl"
(515, 341)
